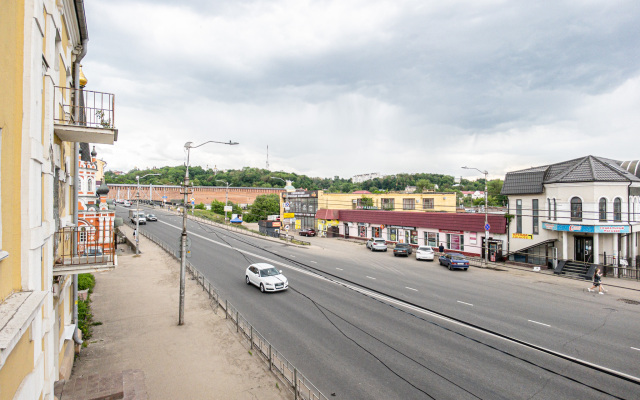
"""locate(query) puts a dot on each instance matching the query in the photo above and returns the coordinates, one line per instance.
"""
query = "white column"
(634, 245)
(623, 251)
(564, 246)
(596, 248)
(615, 247)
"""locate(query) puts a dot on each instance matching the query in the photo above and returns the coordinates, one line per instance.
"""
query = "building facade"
(42, 116)
(585, 210)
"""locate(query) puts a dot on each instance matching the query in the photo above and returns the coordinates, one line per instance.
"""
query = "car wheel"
(385, 250)
(262, 288)
(449, 267)
(247, 280)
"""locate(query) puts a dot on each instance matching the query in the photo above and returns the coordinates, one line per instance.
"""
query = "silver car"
(377, 244)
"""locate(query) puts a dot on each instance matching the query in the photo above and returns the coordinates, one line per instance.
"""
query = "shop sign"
(521, 236)
(587, 228)
(288, 215)
(454, 232)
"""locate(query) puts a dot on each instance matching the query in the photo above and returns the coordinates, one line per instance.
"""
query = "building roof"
(585, 169)
(469, 222)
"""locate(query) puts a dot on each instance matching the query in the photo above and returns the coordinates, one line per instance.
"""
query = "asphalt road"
(393, 340)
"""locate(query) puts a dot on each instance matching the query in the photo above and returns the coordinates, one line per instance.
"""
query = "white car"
(377, 244)
(127, 203)
(425, 253)
(266, 277)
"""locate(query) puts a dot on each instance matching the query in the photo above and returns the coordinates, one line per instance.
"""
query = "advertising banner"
(521, 236)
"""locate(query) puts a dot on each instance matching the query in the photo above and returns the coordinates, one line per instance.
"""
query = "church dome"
(103, 189)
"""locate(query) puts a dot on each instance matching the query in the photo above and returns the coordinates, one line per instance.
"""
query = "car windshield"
(150, 215)
(425, 249)
(269, 272)
(379, 241)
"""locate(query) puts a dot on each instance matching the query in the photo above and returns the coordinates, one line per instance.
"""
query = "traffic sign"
(286, 227)
(193, 199)
(164, 197)
(487, 227)
(286, 204)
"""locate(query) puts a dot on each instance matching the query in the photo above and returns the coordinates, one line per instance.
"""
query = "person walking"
(441, 248)
(597, 278)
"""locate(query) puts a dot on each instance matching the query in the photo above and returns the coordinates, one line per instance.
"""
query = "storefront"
(303, 204)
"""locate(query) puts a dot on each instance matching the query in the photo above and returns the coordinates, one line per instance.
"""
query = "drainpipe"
(76, 176)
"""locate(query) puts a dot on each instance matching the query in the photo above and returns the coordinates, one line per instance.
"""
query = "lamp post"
(138, 212)
(226, 199)
(486, 222)
(183, 242)
(276, 177)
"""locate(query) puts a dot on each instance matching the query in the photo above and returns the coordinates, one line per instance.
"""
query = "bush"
(85, 318)
(86, 281)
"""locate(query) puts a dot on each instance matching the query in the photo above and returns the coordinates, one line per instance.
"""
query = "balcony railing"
(84, 249)
(93, 109)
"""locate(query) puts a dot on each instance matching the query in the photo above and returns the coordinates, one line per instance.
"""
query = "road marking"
(539, 323)
(411, 307)
(370, 277)
(635, 348)
(410, 288)
(315, 262)
(468, 304)
(339, 269)
(291, 255)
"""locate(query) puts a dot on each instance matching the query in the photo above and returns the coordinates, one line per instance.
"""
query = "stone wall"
(201, 194)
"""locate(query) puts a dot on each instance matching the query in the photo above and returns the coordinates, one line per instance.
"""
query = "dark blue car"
(454, 260)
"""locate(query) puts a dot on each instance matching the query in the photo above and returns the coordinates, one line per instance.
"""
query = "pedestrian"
(441, 248)
(597, 278)
(135, 234)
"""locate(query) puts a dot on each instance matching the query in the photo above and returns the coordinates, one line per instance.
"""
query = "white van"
(133, 214)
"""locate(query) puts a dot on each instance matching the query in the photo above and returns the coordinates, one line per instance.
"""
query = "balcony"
(84, 249)
(92, 120)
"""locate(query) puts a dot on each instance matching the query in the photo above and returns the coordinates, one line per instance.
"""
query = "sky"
(346, 87)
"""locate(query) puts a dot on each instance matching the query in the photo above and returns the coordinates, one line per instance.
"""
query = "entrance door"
(584, 249)
(346, 230)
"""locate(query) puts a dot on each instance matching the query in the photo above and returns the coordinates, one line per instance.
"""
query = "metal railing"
(95, 109)
(303, 389)
(84, 245)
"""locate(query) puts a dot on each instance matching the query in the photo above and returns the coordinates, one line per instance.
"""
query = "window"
(431, 239)
(388, 204)
(534, 209)
(392, 234)
(455, 242)
(518, 216)
(414, 237)
(428, 204)
(555, 210)
(549, 209)
(89, 186)
(576, 209)
(602, 209)
(617, 209)
(408, 204)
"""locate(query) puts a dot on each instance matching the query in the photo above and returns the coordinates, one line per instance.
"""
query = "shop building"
(462, 233)
(584, 210)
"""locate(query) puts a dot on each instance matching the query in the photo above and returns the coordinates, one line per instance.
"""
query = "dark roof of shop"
(470, 222)
(585, 169)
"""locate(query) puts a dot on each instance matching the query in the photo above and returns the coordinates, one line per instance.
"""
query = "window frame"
(602, 211)
(428, 203)
(409, 204)
(617, 209)
(518, 215)
(576, 209)
(535, 216)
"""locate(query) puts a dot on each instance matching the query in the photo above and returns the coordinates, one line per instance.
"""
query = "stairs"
(576, 269)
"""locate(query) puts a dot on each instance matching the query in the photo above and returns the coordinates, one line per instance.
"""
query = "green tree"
(267, 204)
(422, 185)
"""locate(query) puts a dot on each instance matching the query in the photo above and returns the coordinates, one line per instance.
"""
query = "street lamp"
(276, 177)
(226, 199)
(138, 212)
(486, 222)
(183, 242)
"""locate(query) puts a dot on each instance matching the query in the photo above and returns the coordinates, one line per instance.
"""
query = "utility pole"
(486, 217)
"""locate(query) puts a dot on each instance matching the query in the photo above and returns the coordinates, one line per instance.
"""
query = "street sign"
(228, 208)
(164, 197)
(487, 227)
(286, 204)
(288, 215)
(193, 199)
(286, 227)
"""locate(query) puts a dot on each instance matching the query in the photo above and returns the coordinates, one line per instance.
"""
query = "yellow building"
(42, 117)
(394, 201)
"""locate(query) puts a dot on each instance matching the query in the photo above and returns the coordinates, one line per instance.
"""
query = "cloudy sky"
(348, 87)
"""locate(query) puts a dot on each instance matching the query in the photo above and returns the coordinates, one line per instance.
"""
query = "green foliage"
(85, 318)
(268, 204)
(86, 281)
(200, 206)
(366, 201)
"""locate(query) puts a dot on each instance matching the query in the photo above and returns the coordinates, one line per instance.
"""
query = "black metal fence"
(84, 245)
(93, 109)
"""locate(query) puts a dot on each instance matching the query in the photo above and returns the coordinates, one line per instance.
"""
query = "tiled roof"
(327, 214)
(470, 222)
(585, 169)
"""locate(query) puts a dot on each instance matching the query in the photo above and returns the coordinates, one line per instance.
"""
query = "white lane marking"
(410, 288)
(635, 348)
(468, 304)
(339, 269)
(370, 277)
(539, 323)
(415, 309)
(315, 262)
(291, 255)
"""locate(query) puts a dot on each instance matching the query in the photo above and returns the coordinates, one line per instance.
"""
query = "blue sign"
(164, 197)
(487, 227)
(587, 228)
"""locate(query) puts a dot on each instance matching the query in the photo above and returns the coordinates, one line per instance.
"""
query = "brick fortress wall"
(202, 194)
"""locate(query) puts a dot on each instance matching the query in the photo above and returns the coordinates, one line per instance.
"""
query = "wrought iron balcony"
(84, 249)
(90, 120)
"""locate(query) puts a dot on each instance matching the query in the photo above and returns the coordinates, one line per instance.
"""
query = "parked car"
(93, 251)
(266, 277)
(307, 232)
(127, 203)
(402, 249)
(425, 253)
(454, 261)
(151, 217)
(376, 244)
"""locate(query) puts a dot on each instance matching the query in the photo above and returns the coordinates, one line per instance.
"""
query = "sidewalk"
(140, 352)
